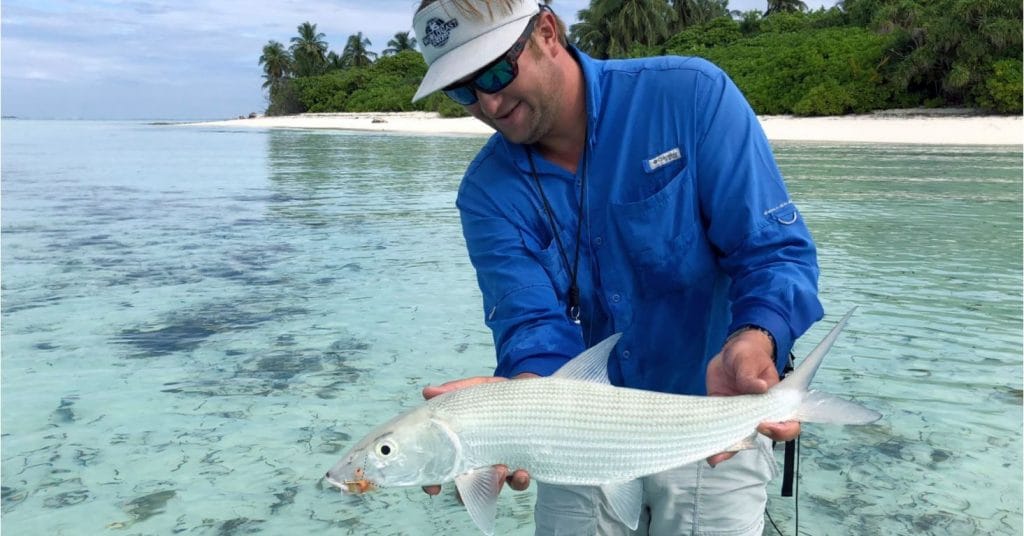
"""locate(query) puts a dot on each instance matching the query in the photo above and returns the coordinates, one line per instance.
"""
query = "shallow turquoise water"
(195, 322)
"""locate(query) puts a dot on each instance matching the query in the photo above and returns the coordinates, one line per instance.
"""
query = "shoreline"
(923, 127)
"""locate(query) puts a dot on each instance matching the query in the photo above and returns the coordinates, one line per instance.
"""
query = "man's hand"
(745, 367)
(519, 480)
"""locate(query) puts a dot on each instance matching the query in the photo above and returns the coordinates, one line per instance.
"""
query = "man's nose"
(490, 103)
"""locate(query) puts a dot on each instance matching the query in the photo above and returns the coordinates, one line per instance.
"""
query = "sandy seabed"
(933, 127)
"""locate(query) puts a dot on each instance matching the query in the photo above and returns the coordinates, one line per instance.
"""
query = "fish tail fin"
(818, 406)
(800, 379)
(825, 408)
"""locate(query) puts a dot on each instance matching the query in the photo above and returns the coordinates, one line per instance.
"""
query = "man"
(634, 196)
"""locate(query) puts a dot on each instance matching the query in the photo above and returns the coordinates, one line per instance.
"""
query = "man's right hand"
(519, 480)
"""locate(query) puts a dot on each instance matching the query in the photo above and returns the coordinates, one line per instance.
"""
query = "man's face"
(525, 111)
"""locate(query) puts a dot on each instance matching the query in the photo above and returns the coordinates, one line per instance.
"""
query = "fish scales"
(573, 428)
(581, 433)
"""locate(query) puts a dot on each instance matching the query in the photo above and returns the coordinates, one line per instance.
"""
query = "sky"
(177, 59)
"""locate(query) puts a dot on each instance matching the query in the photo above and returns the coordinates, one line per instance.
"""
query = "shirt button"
(598, 241)
(625, 354)
(616, 298)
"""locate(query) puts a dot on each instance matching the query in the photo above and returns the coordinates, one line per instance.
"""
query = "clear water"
(196, 322)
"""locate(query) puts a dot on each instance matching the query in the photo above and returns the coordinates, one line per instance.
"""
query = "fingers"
(776, 431)
(749, 380)
(431, 391)
(432, 490)
(780, 431)
(744, 366)
(519, 480)
(719, 458)
(752, 364)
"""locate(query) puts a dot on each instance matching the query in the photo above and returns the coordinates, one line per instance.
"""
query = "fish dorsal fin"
(479, 489)
(626, 500)
(591, 365)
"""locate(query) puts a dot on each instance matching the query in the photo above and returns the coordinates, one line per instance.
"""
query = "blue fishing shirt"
(688, 231)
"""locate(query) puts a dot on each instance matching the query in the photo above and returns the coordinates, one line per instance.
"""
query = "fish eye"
(385, 449)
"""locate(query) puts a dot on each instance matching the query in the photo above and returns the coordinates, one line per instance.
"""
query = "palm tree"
(401, 41)
(787, 6)
(609, 28)
(356, 53)
(946, 48)
(695, 12)
(644, 22)
(334, 61)
(309, 51)
(749, 21)
(277, 64)
(591, 33)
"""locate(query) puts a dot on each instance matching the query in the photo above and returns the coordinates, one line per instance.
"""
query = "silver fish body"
(575, 428)
(582, 433)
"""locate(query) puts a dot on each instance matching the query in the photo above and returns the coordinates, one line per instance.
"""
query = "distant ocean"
(197, 321)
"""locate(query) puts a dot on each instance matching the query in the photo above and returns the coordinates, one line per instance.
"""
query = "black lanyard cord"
(574, 289)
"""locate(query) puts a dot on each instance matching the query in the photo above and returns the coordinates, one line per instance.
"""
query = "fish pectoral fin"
(626, 499)
(479, 489)
(749, 442)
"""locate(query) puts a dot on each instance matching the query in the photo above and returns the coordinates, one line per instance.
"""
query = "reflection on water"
(197, 322)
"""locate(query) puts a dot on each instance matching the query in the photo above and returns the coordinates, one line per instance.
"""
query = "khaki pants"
(728, 500)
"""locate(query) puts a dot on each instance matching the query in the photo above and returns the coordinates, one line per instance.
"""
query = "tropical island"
(856, 57)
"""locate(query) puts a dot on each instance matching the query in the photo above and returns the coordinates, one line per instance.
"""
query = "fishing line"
(772, 521)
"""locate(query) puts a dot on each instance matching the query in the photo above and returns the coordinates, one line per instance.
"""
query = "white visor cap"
(455, 44)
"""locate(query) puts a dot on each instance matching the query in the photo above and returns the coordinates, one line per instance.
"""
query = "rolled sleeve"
(531, 330)
(763, 242)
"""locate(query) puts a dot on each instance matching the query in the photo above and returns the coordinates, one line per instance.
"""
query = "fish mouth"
(354, 486)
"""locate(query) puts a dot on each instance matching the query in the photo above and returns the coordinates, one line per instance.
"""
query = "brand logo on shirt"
(663, 159)
(438, 31)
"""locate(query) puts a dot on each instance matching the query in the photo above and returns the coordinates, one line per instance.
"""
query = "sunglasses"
(494, 76)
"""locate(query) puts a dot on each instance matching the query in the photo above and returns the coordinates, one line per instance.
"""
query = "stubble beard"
(541, 122)
(544, 113)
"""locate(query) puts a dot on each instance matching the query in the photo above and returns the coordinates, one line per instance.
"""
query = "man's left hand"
(745, 366)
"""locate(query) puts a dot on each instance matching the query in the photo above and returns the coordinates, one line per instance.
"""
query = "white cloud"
(110, 56)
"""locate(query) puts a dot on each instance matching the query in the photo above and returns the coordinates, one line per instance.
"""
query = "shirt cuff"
(544, 365)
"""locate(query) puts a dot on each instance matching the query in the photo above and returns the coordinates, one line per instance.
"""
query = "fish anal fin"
(479, 490)
(626, 500)
(591, 365)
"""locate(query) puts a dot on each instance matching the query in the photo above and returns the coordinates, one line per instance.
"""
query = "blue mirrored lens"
(497, 78)
(494, 79)
(464, 95)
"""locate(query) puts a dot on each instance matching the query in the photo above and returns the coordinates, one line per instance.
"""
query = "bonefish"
(575, 428)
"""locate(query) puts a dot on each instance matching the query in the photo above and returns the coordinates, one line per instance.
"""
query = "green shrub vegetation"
(828, 71)
(859, 56)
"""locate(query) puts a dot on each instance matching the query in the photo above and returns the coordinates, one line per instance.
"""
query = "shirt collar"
(591, 82)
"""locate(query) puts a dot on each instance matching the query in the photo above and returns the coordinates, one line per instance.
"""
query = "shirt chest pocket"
(549, 256)
(664, 238)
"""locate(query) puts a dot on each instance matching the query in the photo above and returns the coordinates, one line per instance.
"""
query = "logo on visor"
(438, 31)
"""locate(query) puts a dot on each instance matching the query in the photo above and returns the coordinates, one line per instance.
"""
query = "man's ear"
(546, 31)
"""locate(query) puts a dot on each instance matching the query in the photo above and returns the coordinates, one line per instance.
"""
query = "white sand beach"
(946, 127)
